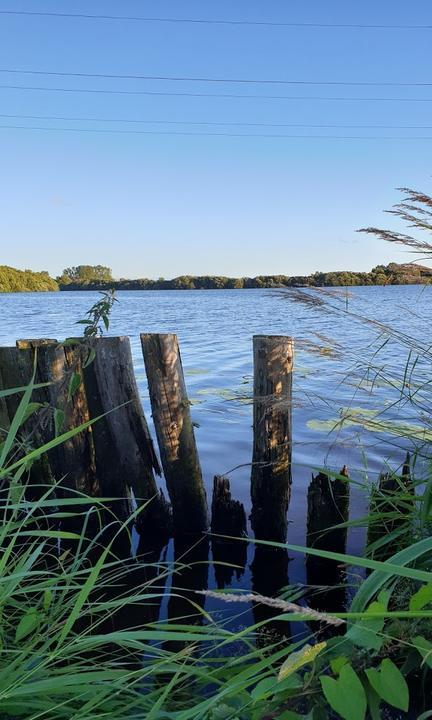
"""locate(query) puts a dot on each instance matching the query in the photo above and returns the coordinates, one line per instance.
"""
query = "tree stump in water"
(271, 468)
(390, 508)
(175, 434)
(228, 517)
(328, 505)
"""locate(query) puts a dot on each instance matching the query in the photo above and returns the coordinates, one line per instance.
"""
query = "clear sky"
(151, 205)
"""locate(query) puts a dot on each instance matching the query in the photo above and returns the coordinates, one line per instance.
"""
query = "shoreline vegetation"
(99, 277)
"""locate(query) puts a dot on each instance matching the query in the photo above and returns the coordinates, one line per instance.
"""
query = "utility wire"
(209, 95)
(232, 81)
(204, 21)
(216, 134)
(212, 123)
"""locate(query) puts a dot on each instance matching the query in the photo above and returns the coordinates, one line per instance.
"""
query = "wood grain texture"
(271, 462)
(175, 434)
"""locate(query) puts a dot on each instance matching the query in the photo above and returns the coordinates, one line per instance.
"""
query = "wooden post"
(228, 517)
(389, 510)
(328, 505)
(125, 456)
(72, 461)
(175, 434)
(271, 468)
(16, 371)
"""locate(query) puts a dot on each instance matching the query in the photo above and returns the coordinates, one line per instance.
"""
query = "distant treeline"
(12, 280)
(99, 277)
(392, 274)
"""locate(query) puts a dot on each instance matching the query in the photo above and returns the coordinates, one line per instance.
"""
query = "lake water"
(215, 329)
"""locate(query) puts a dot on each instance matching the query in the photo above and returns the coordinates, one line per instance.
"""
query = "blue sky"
(152, 205)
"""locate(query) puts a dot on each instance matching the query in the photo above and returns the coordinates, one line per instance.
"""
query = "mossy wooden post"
(328, 506)
(271, 468)
(72, 462)
(175, 434)
(125, 456)
(16, 371)
(228, 517)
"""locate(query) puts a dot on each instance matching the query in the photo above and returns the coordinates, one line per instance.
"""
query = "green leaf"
(90, 357)
(421, 598)
(74, 384)
(17, 420)
(31, 408)
(296, 660)
(373, 701)
(47, 599)
(395, 566)
(264, 688)
(364, 633)
(28, 623)
(59, 417)
(389, 683)
(346, 695)
(424, 647)
(338, 663)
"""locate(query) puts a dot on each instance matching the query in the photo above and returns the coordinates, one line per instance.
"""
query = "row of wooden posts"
(114, 457)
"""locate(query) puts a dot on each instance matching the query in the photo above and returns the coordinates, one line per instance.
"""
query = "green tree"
(85, 274)
(13, 280)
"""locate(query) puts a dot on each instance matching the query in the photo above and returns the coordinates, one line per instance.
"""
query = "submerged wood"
(390, 507)
(126, 462)
(272, 428)
(328, 506)
(175, 434)
(228, 517)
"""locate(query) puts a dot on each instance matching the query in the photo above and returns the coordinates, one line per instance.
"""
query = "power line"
(216, 134)
(165, 93)
(231, 81)
(212, 123)
(212, 21)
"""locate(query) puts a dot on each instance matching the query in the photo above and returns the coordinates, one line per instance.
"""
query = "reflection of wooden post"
(271, 469)
(328, 505)
(228, 517)
(269, 576)
(174, 429)
(125, 457)
(191, 567)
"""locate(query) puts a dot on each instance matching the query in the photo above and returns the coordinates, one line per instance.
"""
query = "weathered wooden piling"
(271, 468)
(113, 456)
(124, 452)
(72, 461)
(175, 434)
(328, 506)
(390, 508)
(228, 517)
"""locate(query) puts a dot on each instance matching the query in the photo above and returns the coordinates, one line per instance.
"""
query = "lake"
(215, 329)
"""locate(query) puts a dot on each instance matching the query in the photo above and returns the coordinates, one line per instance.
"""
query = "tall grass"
(78, 617)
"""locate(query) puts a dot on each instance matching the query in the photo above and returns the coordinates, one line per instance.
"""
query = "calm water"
(215, 329)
